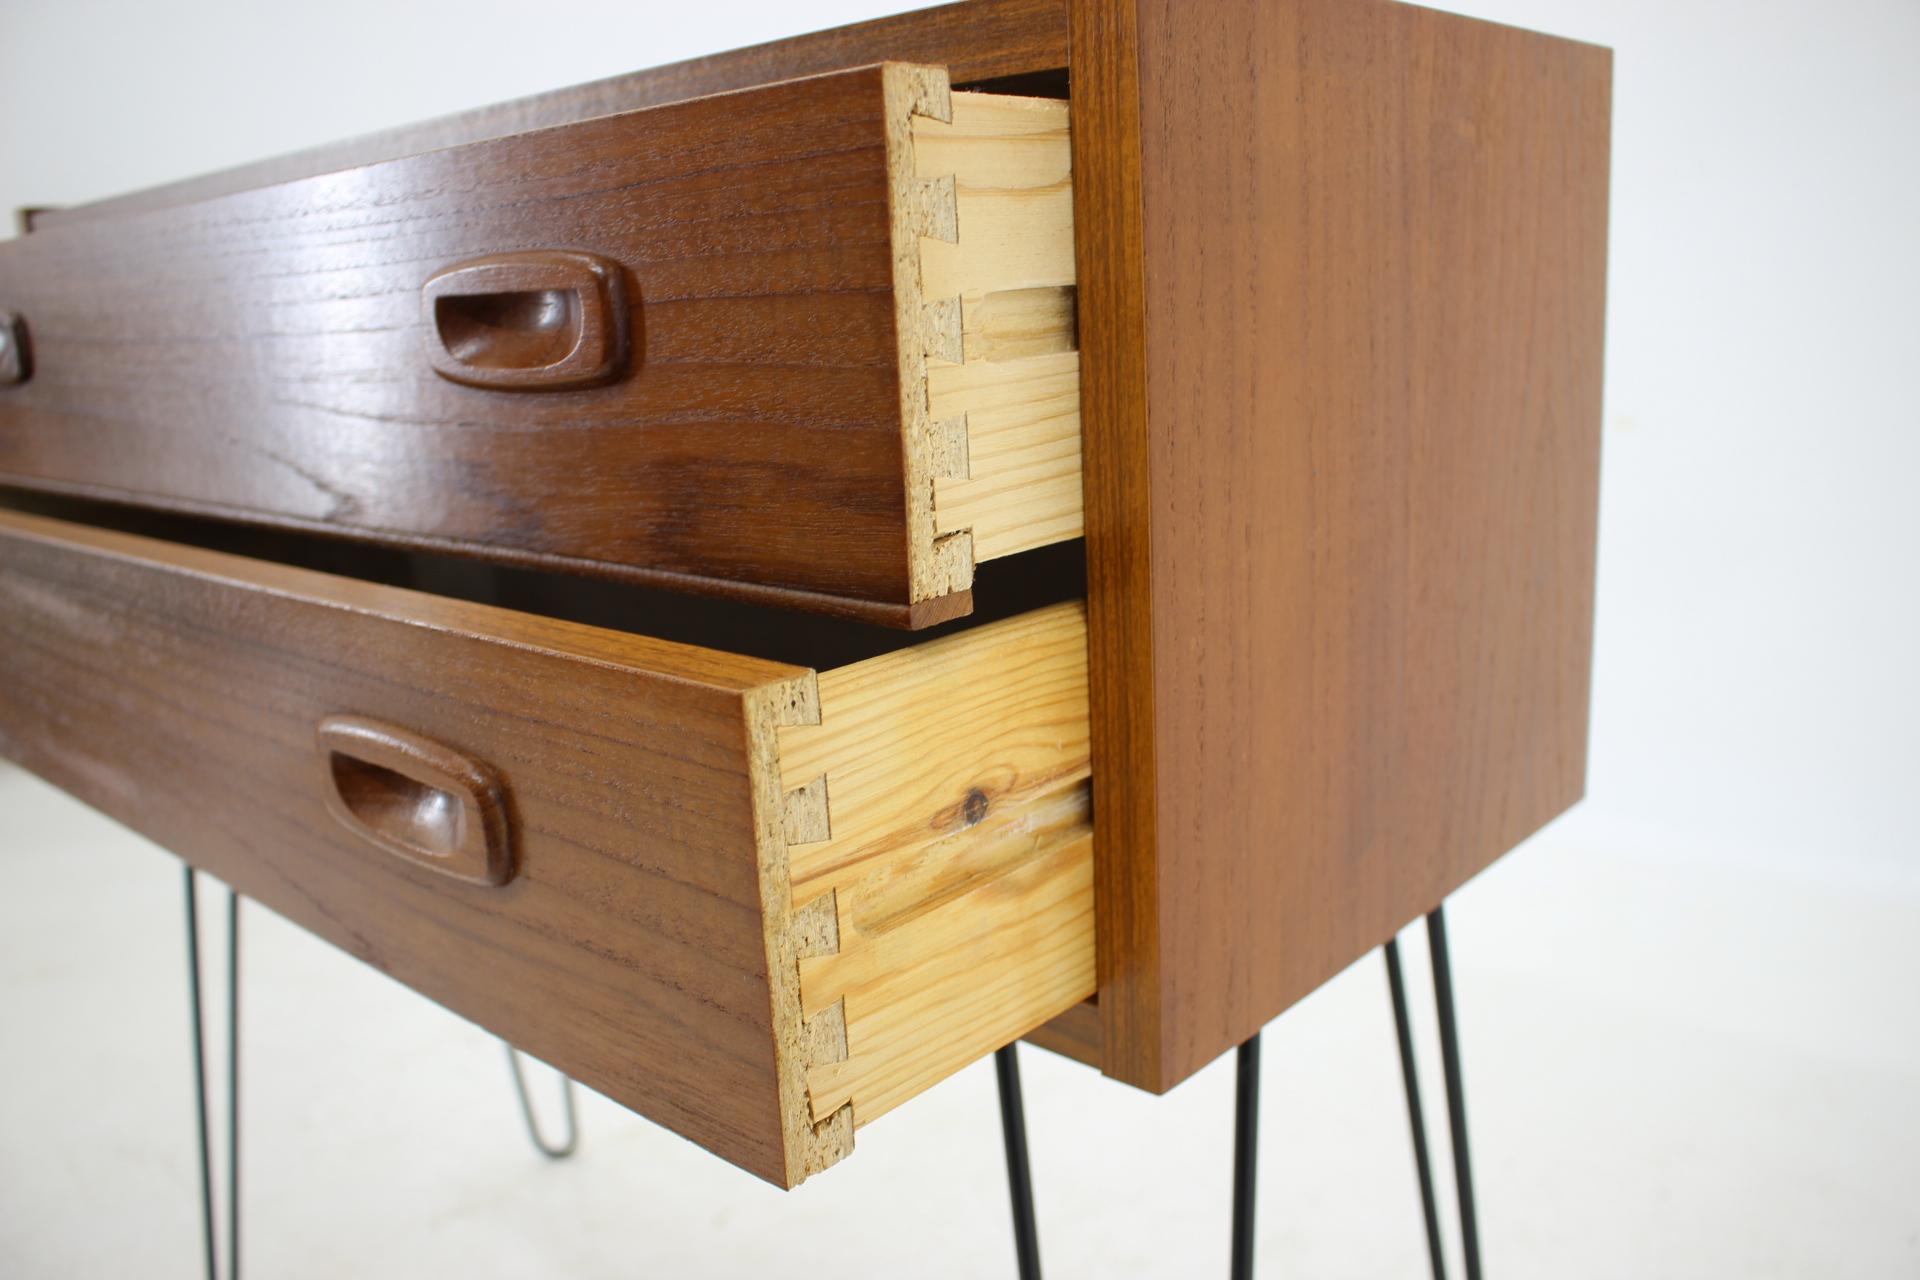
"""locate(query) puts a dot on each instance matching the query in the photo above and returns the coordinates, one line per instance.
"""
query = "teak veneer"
(760, 905)
(1342, 293)
(831, 322)
(1292, 309)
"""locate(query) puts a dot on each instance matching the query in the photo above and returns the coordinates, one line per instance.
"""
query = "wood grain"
(647, 934)
(974, 973)
(939, 806)
(1002, 365)
(179, 691)
(1075, 1034)
(960, 734)
(977, 40)
(267, 355)
(1342, 279)
(1109, 221)
(263, 355)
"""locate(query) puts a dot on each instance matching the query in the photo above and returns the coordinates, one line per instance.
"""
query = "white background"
(1689, 1008)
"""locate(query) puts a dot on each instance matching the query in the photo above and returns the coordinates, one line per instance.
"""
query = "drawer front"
(759, 905)
(810, 343)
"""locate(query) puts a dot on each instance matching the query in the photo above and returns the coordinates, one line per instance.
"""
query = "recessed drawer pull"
(14, 366)
(416, 798)
(542, 320)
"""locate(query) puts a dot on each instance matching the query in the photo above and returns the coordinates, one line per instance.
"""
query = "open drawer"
(811, 344)
(760, 905)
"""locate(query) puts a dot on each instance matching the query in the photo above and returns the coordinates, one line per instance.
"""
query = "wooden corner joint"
(811, 1143)
(934, 819)
(919, 208)
(815, 932)
(807, 819)
(985, 310)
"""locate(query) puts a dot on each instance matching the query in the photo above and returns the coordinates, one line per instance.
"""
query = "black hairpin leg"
(1456, 1090)
(1013, 1127)
(1246, 1153)
(195, 1003)
(1416, 1117)
(200, 1079)
(552, 1151)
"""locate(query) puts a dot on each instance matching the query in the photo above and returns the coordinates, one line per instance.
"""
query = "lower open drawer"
(761, 905)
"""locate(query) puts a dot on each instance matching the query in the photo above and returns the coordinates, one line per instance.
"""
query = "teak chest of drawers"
(1221, 382)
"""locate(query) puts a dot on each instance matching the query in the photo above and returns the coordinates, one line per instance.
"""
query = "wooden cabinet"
(1283, 319)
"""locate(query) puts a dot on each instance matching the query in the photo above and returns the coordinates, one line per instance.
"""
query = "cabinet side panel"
(1117, 484)
(1374, 274)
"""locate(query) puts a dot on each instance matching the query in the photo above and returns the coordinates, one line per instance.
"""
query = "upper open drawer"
(811, 343)
(761, 904)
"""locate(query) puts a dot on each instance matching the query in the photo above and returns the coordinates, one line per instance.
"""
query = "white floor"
(1673, 1069)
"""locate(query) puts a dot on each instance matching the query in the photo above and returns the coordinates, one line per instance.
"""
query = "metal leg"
(199, 1072)
(1012, 1112)
(1246, 1153)
(1013, 1127)
(551, 1151)
(1456, 1093)
(1415, 1116)
(207, 1233)
(233, 1085)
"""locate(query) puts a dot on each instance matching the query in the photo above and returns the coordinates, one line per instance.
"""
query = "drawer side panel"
(939, 810)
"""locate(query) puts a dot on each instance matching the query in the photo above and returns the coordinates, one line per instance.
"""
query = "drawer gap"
(1002, 588)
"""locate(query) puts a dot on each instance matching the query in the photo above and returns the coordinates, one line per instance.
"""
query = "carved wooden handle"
(416, 798)
(541, 320)
(14, 365)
